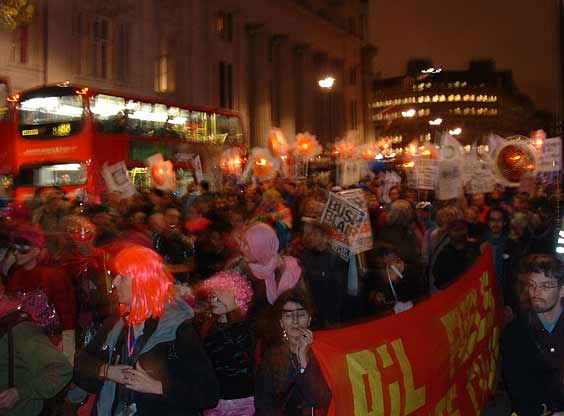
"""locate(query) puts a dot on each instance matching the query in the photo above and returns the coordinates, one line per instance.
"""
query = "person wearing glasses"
(533, 343)
(289, 380)
(32, 272)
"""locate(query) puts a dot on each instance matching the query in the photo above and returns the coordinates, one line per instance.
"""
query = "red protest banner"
(438, 358)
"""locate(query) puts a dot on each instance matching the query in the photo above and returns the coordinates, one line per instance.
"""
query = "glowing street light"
(436, 122)
(456, 132)
(408, 113)
(326, 82)
(431, 70)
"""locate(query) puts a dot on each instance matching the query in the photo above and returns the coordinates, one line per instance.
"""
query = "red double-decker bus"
(65, 134)
(7, 162)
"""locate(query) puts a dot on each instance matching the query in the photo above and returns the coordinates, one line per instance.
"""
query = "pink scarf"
(263, 244)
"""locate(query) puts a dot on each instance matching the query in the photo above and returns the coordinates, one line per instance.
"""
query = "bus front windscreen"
(50, 116)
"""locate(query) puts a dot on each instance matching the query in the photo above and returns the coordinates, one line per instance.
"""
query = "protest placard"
(117, 179)
(449, 182)
(550, 160)
(423, 175)
(362, 240)
(344, 219)
(482, 180)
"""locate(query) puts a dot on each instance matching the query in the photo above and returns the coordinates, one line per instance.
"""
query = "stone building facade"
(262, 58)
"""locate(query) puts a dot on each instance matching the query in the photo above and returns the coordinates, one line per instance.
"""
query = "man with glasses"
(533, 344)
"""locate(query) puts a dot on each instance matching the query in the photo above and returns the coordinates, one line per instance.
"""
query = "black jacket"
(533, 365)
(189, 382)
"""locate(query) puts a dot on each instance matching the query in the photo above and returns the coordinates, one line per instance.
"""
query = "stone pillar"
(286, 89)
(258, 70)
(309, 92)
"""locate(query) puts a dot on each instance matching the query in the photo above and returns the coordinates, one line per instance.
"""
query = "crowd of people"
(206, 303)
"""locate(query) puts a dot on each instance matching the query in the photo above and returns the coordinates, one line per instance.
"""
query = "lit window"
(427, 99)
(451, 98)
(442, 98)
(165, 68)
(435, 98)
(457, 97)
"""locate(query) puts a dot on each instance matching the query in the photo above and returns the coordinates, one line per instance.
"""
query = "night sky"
(521, 35)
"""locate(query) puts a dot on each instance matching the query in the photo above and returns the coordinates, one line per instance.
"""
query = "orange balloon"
(277, 143)
(158, 174)
(262, 167)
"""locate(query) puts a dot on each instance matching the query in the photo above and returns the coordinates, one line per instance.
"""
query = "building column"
(286, 89)
(258, 71)
(309, 92)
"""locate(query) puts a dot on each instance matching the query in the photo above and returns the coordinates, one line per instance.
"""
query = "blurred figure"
(394, 194)
(49, 217)
(476, 229)
(325, 274)
(32, 369)
(228, 339)
(214, 249)
(289, 381)
(456, 257)
(31, 273)
(106, 224)
(479, 201)
(273, 212)
(496, 236)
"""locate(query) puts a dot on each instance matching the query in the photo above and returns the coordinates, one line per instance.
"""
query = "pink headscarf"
(263, 245)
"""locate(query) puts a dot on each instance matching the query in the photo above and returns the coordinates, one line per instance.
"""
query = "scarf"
(262, 244)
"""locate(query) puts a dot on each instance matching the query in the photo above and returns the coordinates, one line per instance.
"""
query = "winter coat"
(170, 350)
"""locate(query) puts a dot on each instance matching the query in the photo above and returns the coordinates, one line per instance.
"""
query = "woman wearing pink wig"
(270, 273)
(228, 338)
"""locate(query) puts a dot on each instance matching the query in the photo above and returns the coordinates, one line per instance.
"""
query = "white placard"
(551, 158)
(423, 175)
(118, 180)
(482, 180)
(449, 182)
(362, 240)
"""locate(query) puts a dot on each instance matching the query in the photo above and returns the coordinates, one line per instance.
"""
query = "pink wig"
(152, 285)
(229, 281)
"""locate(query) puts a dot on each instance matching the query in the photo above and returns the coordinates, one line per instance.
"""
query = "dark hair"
(396, 188)
(205, 185)
(270, 328)
(543, 263)
(503, 213)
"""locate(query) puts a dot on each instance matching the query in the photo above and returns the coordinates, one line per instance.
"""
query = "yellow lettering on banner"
(360, 364)
(414, 398)
(446, 406)
(369, 399)
(462, 324)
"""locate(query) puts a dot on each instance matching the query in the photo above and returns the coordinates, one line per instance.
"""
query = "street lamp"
(327, 82)
(456, 132)
(436, 122)
(409, 113)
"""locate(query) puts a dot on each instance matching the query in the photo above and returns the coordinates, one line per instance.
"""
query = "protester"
(270, 273)
(533, 344)
(456, 257)
(32, 369)
(151, 360)
(228, 338)
(325, 274)
(31, 273)
(289, 380)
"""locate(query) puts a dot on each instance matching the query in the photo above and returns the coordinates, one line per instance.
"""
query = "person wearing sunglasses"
(533, 343)
(32, 272)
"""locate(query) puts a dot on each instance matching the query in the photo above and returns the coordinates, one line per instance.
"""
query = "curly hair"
(228, 281)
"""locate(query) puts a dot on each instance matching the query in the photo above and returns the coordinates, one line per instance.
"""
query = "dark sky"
(521, 35)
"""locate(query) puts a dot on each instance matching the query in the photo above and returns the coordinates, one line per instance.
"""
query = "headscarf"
(263, 245)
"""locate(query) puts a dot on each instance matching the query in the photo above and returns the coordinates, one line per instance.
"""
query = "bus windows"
(50, 116)
(228, 129)
(64, 174)
(200, 128)
(109, 113)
